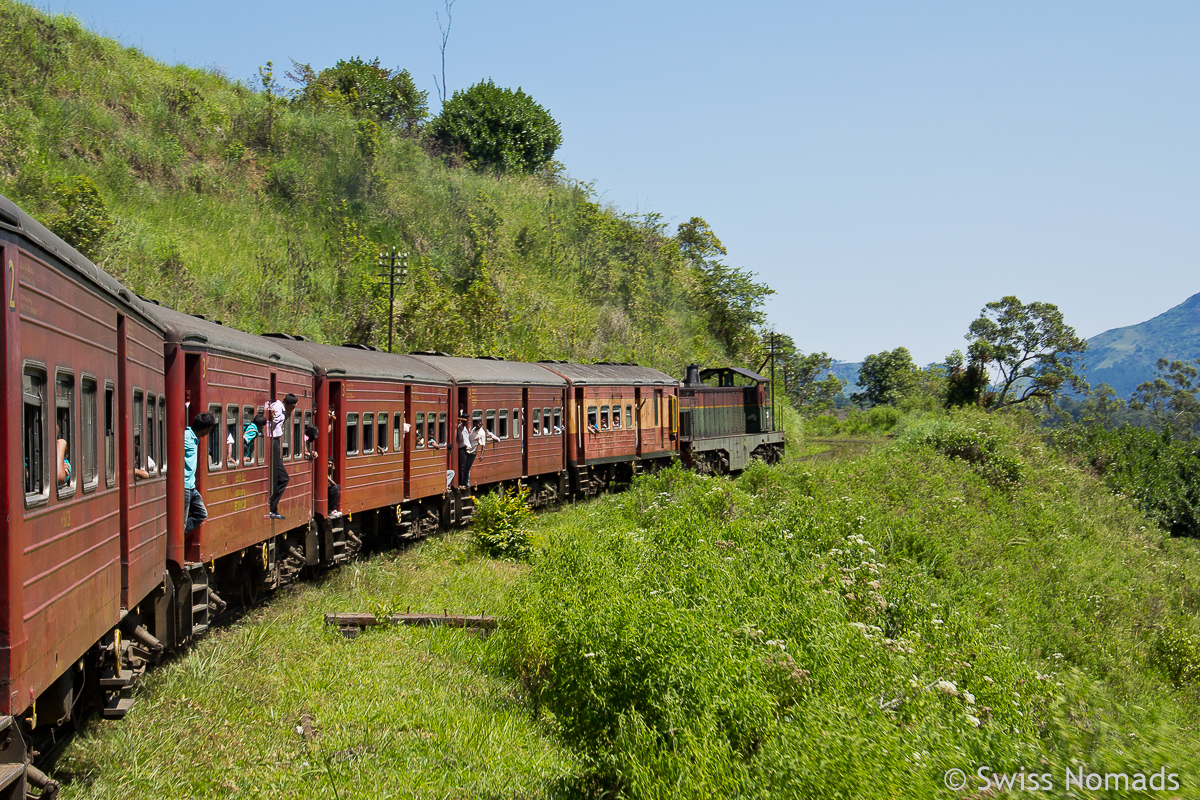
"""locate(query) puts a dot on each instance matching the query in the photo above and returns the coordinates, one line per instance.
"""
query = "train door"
(660, 438)
(518, 429)
(401, 433)
(336, 427)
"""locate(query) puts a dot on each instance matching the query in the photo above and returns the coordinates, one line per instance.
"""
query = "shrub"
(83, 222)
(973, 441)
(500, 523)
(497, 128)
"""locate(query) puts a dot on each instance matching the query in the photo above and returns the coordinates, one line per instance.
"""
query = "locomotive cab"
(726, 419)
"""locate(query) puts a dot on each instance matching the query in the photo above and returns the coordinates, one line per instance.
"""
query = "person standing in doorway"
(466, 452)
(279, 413)
(193, 505)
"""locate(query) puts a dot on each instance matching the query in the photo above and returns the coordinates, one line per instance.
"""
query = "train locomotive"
(98, 577)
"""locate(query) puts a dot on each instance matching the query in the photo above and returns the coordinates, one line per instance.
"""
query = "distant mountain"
(1125, 357)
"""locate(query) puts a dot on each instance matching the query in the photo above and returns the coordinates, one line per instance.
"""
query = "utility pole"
(772, 380)
(392, 263)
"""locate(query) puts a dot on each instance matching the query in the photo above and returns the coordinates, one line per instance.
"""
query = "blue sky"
(888, 168)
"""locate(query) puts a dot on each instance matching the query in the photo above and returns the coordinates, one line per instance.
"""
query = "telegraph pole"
(392, 263)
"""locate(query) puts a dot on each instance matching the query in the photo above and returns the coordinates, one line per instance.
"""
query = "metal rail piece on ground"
(350, 625)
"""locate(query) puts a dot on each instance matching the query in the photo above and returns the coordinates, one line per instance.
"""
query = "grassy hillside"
(958, 598)
(267, 213)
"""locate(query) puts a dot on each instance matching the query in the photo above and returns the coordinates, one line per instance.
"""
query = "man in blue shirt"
(193, 505)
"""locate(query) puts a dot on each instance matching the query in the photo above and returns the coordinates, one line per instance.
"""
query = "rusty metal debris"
(350, 625)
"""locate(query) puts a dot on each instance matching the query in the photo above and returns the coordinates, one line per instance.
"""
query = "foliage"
(886, 378)
(972, 440)
(800, 375)
(1030, 346)
(501, 521)
(1160, 474)
(367, 89)
(496, 128)
(1170, 398)
(83, 221)
(875, 421)
(965, 385)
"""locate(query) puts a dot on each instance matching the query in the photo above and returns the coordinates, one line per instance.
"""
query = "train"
(100, 577)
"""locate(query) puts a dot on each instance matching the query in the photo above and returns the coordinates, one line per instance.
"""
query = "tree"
(496, 128)
(1170, 398)
(729, 297)
(366, 89)
(886, 378)
(1031, 349)
(805, 379)
(965, 385)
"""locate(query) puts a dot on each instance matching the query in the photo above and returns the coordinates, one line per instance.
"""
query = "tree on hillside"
(366, 89)
(496, 128)
(729, 297)
(886, 378)
(805, 379)
(1170, 398)
(1032, 351)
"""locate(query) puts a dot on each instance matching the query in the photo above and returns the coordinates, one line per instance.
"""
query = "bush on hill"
(496, 128)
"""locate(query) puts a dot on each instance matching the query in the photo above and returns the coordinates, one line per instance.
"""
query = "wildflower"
(589, 655)
(947, 687)
(974, 720)
(970, 698)
(936, 621)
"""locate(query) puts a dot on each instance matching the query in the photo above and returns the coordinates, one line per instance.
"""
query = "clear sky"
(888, 168)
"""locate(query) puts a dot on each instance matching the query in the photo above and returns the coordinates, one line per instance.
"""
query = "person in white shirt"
(466, 452)
(278, 414)
(481, 435)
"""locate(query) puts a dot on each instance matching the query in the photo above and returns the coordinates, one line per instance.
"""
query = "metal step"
(109, 680)
(118, 707)
(10, 773)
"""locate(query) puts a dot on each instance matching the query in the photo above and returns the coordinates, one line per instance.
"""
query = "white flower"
(937, 621)
(974, 720)
(947, 687)
(589, 655)
(989, 680)
(970, 698)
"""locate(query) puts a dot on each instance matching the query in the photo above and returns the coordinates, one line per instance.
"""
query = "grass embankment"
(854, 628)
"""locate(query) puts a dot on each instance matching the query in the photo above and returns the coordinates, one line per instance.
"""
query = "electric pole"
(392, 263)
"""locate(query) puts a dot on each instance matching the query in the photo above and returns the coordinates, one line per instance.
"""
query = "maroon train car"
(82, 372)
(388, 438)
(234, 375)
(503, 396)
(622, 419)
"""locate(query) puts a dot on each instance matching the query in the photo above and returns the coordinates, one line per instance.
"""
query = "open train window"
(88, 466)
(603, 418)
(368, 432)
(110, 436)
(491, 421)
(442, 430)
(33, 434)
(546, 429)
(248, 428)
(381, 439)
(261, 439)
(297, 436)
(139, 405)
(150, 431)
(420, 431)
(285, 440)
(431, 437)
(476, 419)
(657, 403)
(215, 442)
(629, 416)
(558, 423)
(516, 423)
(64, 426)
(502, 423)
(616, 416)
(591, 416)
(232, 434)
(162, 434)
(397, 428)
(351, 434)
(535, 422)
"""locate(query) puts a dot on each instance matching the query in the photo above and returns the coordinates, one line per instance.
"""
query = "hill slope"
(267, 211)
(1125, 357)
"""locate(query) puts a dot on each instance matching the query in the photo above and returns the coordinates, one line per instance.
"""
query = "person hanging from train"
(310, 442)
(279, 411)
(193, 505)
(250, 432)
(335, 493)
(481, 435)
(466, 451)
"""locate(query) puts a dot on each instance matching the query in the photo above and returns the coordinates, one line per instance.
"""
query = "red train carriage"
(726, 420)
(234, 375)
(502, 396)
(621, 419)
(388, 440)
(83, 544)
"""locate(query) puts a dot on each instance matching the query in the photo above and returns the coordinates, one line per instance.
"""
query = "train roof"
(196, 333)
(353, 361)
(14, 219)
(610, 374)
(467, 371)
(745, 373)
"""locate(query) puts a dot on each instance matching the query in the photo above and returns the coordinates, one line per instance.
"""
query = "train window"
(431, 437)
(249, 428)
(33, 386)
(591, 412)
(397, 428)
(64, 426)
(476, 419)
(310, 445)
(110, 436)
(285, 440)
(535, 422)
(442, 429)
(351, 434)
(297, 436)
(673, 419)
(629, 416)
(368, 432)
(516, 423)
(603, 418)
(139, 403)
(502, 430)
(657, 402)
(491, 421)
(232, 434)
(214, 441)
(88, 467)
(420, 431)
(381, 420)
(162, 434)
(558, 424)
(150, 432)
(261, 439)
